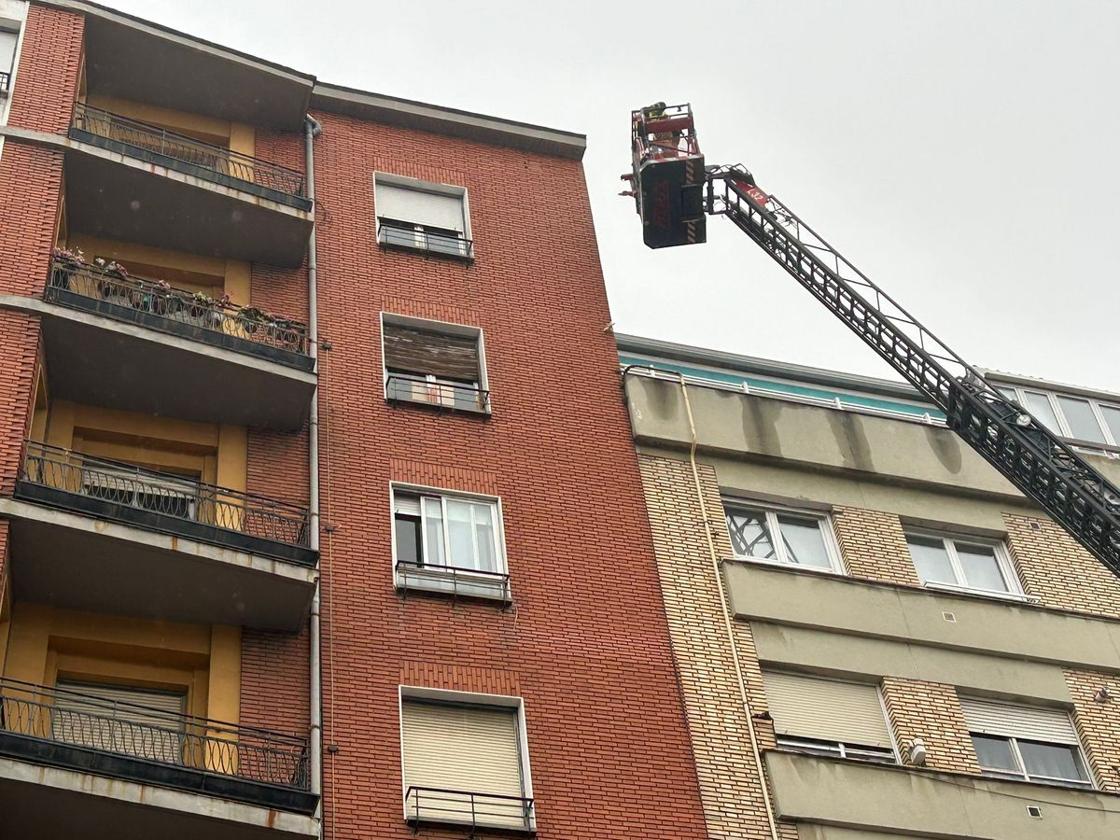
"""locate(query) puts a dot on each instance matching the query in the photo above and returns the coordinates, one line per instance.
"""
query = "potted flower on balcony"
(67, 262)
(251, 318)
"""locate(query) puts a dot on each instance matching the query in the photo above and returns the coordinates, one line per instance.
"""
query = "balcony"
(452, 396)
(460, 807)
(132, 181)
(108, 290)
(454, 581)
(73, 764)
(104, 536)
(435, 242)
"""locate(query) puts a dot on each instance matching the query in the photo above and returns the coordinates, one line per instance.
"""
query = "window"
(434, 363)
(1024, 742)
(8, 40)
(782, 536)
(1081, 419)
(963, 563)
(132, 721)
(449, 543)
(829, 717)
(464, 761)
(422, 216)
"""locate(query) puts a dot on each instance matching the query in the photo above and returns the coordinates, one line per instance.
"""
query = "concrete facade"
(874, 470)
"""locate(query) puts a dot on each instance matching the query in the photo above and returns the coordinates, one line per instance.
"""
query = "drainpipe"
(728, 627)
(312, 130)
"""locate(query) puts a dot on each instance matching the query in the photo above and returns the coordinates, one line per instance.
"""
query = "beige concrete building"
(877, 636)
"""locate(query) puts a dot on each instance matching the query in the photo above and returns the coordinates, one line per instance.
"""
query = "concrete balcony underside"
(98, 360)
(77, 561)
(833, 799)
(42, 802)
(116, 196)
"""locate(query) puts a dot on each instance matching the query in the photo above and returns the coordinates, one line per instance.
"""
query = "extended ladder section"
(1032, 458)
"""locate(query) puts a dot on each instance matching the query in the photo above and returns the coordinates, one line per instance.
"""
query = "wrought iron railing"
(393, 233)
(125, 487)
(75, 719)
(149, 297)
(453, 580)
(453, 395)
(479, 810)
(198, 158)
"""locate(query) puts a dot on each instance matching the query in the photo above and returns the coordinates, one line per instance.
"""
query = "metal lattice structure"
(1042, 466)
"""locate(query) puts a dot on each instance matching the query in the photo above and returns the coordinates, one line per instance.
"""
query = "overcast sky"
(965, 155)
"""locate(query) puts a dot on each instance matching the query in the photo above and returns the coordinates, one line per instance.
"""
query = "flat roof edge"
(450, 121)
(158, 30)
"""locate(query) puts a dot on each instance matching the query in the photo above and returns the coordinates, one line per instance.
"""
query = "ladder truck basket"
(668, 177)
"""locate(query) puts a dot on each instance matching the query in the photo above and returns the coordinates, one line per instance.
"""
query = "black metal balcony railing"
(454, 581)
(401, 387)
(162, 307)
(5, 83)
(144, 744)
(187, 155)
(164, 502)
(478, 810)
(393, 233)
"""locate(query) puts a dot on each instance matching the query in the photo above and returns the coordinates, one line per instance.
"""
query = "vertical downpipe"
(312, 130)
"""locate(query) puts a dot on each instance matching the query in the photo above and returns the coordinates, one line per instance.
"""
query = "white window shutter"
(421, 207)
(828, 710)
(1031, 723)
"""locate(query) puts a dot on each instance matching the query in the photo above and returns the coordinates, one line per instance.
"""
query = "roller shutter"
(145, 724)
(827, 710)
(420, 207)
(428, 352)
(987, 717)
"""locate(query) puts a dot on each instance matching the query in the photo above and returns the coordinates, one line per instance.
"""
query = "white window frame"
(450, 328)
(451, 190)
(772, 511)
(452, 698)
(1064, 430)
(20, 28)
(949, 539)
(500, 586)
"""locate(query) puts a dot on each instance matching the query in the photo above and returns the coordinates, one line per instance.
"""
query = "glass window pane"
(803, 540)
(460, 534)
(931, 559)
(1055, 761)
(749, 535)
(1112, 420)
(1039, 405)
(407, 535)
(485, 538)
(981, 569)
(434, 554)
(1082, 422)
(994, 753)
(1008, 392)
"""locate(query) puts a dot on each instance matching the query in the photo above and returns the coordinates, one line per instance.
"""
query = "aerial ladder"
(675, 193)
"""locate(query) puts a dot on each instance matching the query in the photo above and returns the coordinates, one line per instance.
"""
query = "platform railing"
(203, 159)
(72, 718)
(454, 581)
(5, 83)
(153, 297)
(400, 387)
(127, 487)
(464, 807)
(393, 233)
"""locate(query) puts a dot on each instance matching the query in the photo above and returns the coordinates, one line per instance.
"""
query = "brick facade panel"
(46, 82)
(1097, 720)
(931, 712)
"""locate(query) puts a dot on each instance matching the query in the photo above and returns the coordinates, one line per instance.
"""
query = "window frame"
(419, 185)
(1088, 783)
(1064, 429)
(772, 511)
(498, 580)
(949, 539)
(449, 328)
(465, 698)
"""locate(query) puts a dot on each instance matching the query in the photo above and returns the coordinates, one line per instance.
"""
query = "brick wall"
(275, 675)
(46, 81)
(1098, 724)
(932, 712)
(873, 545)
(586, 637)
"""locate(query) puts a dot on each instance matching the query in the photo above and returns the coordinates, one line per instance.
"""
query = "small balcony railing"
(164, 502)
(109, 290)
(5, 83)
(457, 396)
(393, 233)
(126, 740)
(464, 807)
(454, 581)
(187, 155)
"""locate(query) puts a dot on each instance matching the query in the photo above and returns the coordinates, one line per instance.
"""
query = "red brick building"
(293, 446)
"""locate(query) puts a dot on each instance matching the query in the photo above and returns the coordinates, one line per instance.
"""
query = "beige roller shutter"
(419, 206)
(808, 707)
(145, 724)
(468, 749)
(988, 717)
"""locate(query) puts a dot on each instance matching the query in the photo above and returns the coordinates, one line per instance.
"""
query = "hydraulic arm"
(1037, 462)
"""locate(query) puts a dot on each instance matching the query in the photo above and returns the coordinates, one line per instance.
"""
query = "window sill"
(986, 594)
(1067, 784)
(465, 256)
(456, 583)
